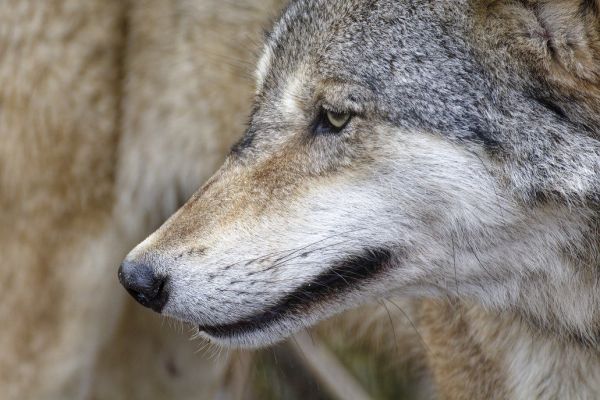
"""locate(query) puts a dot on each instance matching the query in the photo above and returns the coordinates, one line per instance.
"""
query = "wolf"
(444, 151)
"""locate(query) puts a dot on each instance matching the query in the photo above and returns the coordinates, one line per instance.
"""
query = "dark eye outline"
(324, 126)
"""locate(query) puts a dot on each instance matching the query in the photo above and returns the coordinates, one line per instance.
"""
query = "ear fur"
(554, 48)
(567, 33)
(558, 38)
(548, 50)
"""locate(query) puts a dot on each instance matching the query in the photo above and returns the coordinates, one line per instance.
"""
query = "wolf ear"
(555, 44)
(550, 51)
(568, 36)
(559, 38)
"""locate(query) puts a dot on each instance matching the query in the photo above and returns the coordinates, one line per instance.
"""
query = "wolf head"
(418, 148)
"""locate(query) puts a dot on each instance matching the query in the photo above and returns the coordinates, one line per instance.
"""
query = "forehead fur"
(401, 51)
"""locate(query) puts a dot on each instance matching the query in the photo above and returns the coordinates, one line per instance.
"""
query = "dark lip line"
(343, 276)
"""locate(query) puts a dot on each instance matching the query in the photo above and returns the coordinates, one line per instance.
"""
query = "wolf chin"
(443, 151)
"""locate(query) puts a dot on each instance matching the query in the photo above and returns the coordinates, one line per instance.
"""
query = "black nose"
(144, 285)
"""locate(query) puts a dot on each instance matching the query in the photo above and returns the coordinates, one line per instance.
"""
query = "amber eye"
(338, 120)
(331, 122)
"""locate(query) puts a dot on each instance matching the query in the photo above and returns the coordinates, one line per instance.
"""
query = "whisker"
(382, 302)
(427, 349)
(479, 261)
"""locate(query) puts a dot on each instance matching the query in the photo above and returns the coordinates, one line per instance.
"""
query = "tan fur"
(59, 106)
(187, 94)
(149, 358)
(111, 114)
(556, 42)
(461, 369)
(560, 38)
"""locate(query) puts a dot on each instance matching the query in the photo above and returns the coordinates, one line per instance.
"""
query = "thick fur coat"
(111, 114)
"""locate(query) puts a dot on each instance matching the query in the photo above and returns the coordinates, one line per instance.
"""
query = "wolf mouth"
(343, 276)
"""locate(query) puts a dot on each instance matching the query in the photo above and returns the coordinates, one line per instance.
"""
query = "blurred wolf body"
(111, 114)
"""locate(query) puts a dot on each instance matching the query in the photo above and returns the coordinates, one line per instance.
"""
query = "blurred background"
(112, 113)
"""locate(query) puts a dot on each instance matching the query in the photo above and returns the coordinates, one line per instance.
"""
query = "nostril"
(146, 287)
